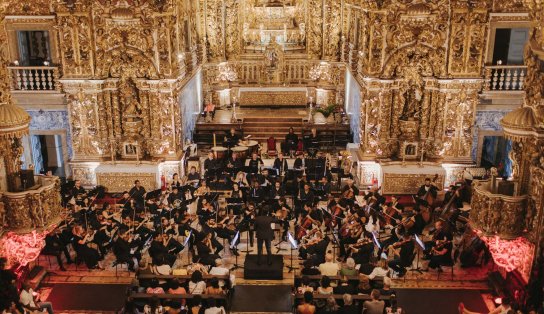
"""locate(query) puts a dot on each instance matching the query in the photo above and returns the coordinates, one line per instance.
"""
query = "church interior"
(272, 156)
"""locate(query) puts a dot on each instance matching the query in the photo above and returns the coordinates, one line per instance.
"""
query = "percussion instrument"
(241, 151)
(220, 152)
(253, 146)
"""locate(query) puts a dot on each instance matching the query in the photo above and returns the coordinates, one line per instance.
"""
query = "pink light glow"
(510, 255)
(22, 248)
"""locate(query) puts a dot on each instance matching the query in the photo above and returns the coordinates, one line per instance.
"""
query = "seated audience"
(197, 284)
(375, 305)
(306, 307)
(329, 268)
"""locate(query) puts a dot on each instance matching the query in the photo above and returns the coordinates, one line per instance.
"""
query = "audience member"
(197, 284)
(306, 307)
(329, 268)
(28, 300)
(375, 305)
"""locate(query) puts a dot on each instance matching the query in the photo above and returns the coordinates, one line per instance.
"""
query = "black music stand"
(232, 246)
(278, 245)
(247, 250)
(186, 245)
(335, 243)
(294, 246)
(422, 246)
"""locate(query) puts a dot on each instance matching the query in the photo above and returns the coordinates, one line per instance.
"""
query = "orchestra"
(360, 224)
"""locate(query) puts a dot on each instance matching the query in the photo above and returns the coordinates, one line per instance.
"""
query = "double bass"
(426, 211)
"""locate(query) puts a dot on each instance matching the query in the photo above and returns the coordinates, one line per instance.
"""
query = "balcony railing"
(34, 78)
(501, 78)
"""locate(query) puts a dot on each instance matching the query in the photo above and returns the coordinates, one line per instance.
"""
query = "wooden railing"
(34, 78)
(501, 78)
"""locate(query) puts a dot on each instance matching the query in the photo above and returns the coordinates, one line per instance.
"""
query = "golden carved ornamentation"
(276, 98)
(119, 181)
(34, 208)
(394, 183)
(497, 214)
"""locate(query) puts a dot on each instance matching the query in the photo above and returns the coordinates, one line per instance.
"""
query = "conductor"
(264, 232)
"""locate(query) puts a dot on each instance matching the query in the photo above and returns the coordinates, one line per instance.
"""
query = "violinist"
(315, 249)
(248, 218)
(205, 249)
(403, 256)
(354, 232)
(123, 251)
(362, 250)
(390, 217)
(203, 189)
(349, 191)
(438, 250)
(224, 229)
(84, 248)
(159, 252)
(175, 195)
(205, 210)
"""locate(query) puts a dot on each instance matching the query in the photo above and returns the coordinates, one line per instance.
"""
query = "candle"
(214, 140)
(422, 153)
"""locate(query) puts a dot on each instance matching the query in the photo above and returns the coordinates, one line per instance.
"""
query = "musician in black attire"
(175, 195)
(256, 193)
(231, 139)
(439, 249)
(300, 162)
(254, 163)
(282, 205)
(234, 164)
(137, 193)
(55, 245)
(406, 253)
(349, 191)
(247, 220)
(277, 191)
(205, 249)
(265, 234)
(313, 143)
(317, 250)
(323, 188)
(291, 142)
(159, 252)
(78, 192)
(305, 196)
(122, 251)
(427, 187)
(210, 166)
(280, 164)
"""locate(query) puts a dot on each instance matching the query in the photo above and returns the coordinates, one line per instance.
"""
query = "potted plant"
(327, 111)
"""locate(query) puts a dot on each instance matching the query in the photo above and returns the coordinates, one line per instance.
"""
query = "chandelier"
(226, 73)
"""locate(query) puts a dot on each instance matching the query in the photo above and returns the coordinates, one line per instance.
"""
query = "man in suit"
(265, 234)
(375, 305)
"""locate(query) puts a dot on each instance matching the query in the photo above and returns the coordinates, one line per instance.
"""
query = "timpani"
(253, 146)
(220, 152)
(241, 151)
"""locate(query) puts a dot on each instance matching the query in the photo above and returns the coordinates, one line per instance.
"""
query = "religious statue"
(411, 94)
(128, 98)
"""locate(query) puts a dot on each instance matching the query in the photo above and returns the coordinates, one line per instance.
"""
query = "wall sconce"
(16, 62)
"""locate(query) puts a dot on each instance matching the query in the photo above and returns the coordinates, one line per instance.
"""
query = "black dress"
(89, 255)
